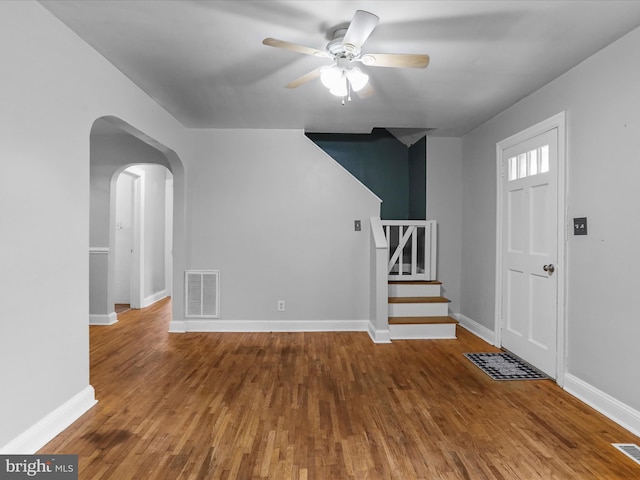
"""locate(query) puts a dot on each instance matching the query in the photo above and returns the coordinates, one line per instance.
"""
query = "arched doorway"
(115, 146)
(143, 236)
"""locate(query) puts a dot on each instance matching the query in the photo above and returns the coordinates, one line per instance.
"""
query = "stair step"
(414, 289)
(418, 307)
(418, 300)
(422, 331)
(421, 320)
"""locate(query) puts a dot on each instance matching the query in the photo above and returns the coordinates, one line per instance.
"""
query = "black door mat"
(505, 366)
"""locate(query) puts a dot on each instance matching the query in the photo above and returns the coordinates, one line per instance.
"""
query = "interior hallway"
(323, 406)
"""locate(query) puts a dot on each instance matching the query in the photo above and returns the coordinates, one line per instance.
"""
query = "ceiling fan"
(345, 49)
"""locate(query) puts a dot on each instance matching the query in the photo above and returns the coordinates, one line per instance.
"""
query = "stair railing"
(412, 249)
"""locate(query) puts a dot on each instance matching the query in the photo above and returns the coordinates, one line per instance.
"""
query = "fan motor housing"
(339, 49)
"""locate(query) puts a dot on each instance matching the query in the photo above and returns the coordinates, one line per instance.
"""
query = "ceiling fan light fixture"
(338, 79)
(335, 79)
(340, 88)
(357, 78)
(330, 76)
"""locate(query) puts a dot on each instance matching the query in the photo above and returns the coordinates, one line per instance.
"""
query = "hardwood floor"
(122, 307)
(323, 406)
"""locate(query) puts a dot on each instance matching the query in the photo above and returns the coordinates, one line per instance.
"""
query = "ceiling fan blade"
(273, 42)
(360, 28)
(312, 75)
(395, 60)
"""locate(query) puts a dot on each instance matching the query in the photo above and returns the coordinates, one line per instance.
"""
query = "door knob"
(549, 268)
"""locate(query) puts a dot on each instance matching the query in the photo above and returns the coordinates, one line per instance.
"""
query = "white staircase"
(417, 310)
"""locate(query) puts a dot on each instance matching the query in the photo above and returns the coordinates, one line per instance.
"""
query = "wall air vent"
(631, 450)
(202, 293)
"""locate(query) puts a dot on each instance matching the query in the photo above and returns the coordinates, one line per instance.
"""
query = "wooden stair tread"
(421, 320)
(415, 282)
(418, 300)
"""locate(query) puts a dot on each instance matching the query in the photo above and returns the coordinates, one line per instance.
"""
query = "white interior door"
(123, 238)
(530, 250)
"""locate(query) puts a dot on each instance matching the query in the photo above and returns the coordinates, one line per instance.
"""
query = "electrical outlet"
(281, 305)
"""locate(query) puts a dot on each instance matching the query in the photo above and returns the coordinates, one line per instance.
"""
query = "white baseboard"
(476, 328)
(378, 336)
(153, 298)
(38, 435)
(619, 412)
(216, 325)
(177, 326)
(103, 319)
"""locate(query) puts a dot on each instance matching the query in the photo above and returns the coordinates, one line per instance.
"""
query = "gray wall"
(275, 215)
(45, 196)
(601, 97)
(155, 179)
(444, 204)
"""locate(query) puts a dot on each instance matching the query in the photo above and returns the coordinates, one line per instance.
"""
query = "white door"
(124, 237)
(530, 250)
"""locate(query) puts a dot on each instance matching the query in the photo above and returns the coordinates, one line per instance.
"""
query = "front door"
(530, 250)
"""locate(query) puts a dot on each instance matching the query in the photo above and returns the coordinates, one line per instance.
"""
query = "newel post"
(379, 294)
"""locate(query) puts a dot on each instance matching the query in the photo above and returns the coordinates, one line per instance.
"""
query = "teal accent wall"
(418, 180)
(386, 166)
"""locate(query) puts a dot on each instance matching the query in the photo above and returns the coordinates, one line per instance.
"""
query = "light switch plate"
(580, 226)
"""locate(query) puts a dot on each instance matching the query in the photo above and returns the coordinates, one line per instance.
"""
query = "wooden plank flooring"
(323, 406)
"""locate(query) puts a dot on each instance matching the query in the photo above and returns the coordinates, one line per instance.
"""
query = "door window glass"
(530, 163)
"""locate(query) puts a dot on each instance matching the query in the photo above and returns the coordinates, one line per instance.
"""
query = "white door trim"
(557, 121)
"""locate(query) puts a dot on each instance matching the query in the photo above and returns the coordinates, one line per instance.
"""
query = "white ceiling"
(204, 61)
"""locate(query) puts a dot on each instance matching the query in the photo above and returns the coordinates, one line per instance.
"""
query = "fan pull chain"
(348, 92)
